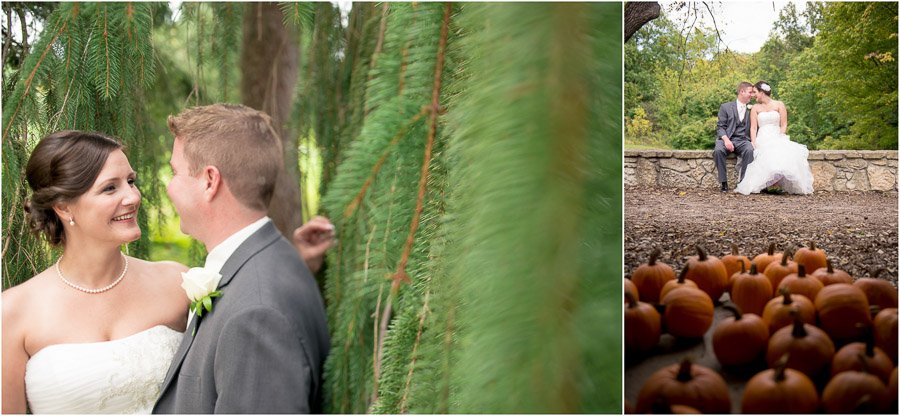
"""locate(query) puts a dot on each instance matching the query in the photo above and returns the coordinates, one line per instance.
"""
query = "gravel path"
(858, 230)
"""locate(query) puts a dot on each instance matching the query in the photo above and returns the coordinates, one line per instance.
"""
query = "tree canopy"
(833, 65)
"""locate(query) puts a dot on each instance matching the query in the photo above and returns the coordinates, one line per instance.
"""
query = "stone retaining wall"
(833, 170)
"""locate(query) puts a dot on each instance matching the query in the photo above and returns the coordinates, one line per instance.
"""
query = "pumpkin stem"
(801, 271)
(870, 339)
(753, 269)
(784, 257)
(736, 310)
(828, 264)
(701, 254)
(656, 252)
(734, 249)
(683, 274)
(780, 367)
(865, 365)
(812, 246)
(784, 290)
(864, 405)
(743, 268)
(632, 302)
(684, 371)
(799, 331)
(771, 249)
(874, 310)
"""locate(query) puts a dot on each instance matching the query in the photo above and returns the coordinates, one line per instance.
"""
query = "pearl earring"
(71, 221)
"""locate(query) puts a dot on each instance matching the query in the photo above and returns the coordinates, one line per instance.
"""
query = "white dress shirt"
(742, 109)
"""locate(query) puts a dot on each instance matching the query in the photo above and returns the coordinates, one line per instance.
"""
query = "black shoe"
(724, 187)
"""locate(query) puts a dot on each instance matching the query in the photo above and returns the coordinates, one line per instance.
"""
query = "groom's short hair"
(743, 85)
(238, 140)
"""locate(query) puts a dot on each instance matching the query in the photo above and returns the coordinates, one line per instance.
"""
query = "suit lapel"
(259, 240)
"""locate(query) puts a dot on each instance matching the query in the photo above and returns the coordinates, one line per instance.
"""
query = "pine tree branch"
(435, 109)
(362, 192)
(412, 364)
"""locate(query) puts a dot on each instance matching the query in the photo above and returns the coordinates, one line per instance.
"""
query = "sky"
(744, 25)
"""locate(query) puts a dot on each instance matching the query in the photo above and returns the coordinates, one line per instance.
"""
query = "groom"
(262, 346)
(733, 132)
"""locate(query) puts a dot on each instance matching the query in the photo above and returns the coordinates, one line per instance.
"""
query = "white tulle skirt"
(777, 161)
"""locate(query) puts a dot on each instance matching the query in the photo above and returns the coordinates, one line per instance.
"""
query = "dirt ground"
(857, 230)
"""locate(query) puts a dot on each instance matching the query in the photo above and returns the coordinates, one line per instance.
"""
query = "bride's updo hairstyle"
(62, 167)
(767, 90)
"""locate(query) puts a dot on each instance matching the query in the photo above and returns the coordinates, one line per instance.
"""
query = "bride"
(777, 160)
(95, 332)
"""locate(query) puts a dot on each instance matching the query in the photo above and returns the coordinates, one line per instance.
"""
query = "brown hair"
(62, 167)
(759, 87)
(240, 142)
(743, 85)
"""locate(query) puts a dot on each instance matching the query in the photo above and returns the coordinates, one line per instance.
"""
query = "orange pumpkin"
(685, 384)
(674, 284)
(811, 258)
(708, 273)
(809, 347)
(855, 392)
(840, 307)
(884, 331)
(829, 275)
(752, 291)
(802, 284)
(688, 312)
(847, 359)
(780, 390)
(763, 260)
(878, 291)
(651, 276)
(643, 324)
(739, 339)
(630, 287)
(777, 312)
(734, 277)
(777, 271)
(892, 388)
(734, 261)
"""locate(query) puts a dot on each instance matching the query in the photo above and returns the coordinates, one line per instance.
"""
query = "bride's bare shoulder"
(164, 270)
(20, 298)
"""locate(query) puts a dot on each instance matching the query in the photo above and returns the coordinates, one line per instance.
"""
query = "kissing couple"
(757, 133)
(103, 332)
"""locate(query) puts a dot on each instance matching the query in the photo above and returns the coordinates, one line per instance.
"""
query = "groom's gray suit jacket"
(730, 124)
(262, 347)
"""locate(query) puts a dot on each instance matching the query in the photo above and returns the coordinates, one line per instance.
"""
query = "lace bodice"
(118, 376)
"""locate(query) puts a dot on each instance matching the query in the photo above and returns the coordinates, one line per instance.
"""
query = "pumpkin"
(855, 392)
(809, 347)
(628, 408)
(734, 261)
(878, 362)
(763, 260)
(688, 312)
(630, 287)
(651, 276)
(739, 339)
(840, 307)
(802, 284)
(778, 270)
(878, 291)
(643, 324)
(734, 277)
(685, 384)
(708, 273)
(752, 291)
(892, 388)
(780, 390)
(811, 258)
(829, 275)
(674, 284)
(884, 331)
(777, 313)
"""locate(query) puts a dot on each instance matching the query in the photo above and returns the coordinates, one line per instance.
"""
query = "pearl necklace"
(104, 289)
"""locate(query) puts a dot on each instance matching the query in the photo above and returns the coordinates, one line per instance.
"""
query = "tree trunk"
(268, 75)
(637, 14)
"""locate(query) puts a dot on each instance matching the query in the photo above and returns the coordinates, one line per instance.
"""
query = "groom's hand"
(312, 240)
(728, 144)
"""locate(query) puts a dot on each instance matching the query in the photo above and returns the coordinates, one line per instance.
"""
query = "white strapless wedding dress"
(119, 376)
(776, 160)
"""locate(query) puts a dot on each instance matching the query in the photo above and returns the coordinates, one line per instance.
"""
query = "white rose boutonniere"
(749, 106)
(200, 285)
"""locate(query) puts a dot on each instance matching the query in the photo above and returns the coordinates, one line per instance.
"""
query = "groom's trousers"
(744, 148)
